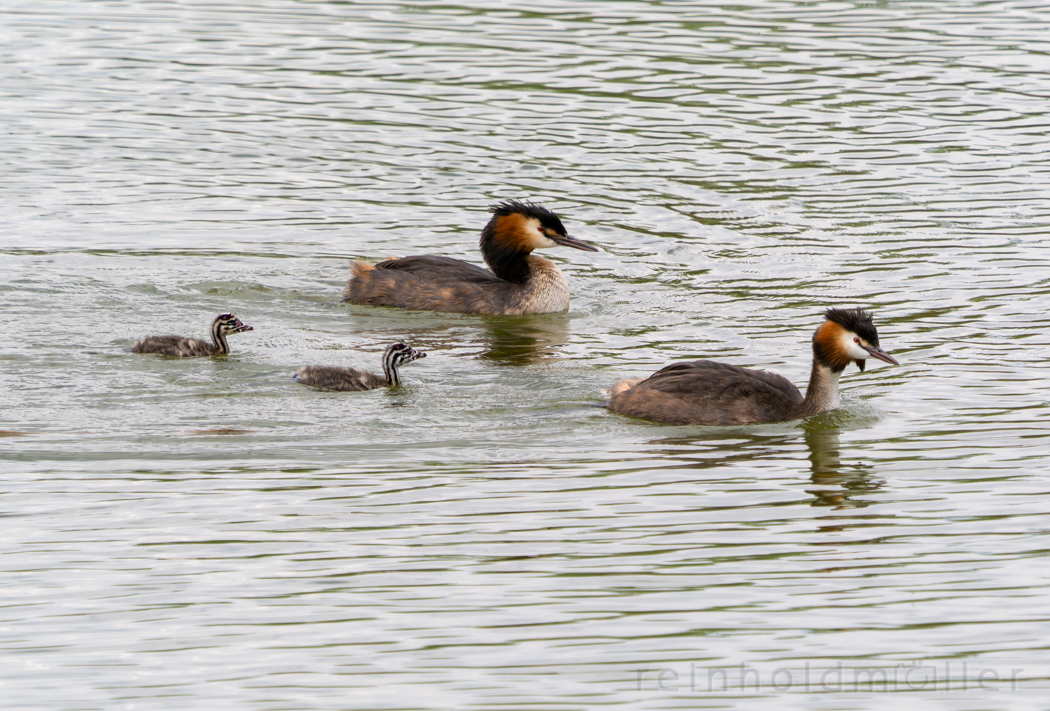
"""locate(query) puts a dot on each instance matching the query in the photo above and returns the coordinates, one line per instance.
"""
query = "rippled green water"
(208, 534)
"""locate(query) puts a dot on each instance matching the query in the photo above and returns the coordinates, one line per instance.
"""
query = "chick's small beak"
(567, 241)
(241, 327)
(876, 352)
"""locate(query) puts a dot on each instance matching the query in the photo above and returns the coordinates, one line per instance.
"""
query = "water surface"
(207, 533)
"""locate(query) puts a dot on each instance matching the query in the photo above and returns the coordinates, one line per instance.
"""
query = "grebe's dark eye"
(856, 339)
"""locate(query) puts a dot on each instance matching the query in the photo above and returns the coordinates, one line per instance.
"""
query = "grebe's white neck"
(822, 393)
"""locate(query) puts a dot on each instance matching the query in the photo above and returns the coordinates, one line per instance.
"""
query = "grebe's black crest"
(548, 219)
(856, 320)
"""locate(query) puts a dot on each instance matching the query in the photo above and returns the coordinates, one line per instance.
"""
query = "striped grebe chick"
(193, 347)
(704, 392)
(352, 379)
(519, 283)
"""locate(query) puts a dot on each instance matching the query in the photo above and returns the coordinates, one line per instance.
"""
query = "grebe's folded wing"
(710, 393)
(705, 378)
(441, 269)
(429, 283)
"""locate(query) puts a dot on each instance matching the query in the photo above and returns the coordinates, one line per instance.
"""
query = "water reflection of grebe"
(704, 392)
(826, 470)
(519, 283)
(525, 339)
(713, 450)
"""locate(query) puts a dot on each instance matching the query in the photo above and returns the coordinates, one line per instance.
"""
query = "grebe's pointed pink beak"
(876, 352)
(567, 241)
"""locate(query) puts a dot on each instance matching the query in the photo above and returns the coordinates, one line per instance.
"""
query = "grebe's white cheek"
(545, 241)
(538, 239)
(854, 349)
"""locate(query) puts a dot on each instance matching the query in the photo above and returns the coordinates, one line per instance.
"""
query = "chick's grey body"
(181, 347)
(175, 346)
(518, 283)
(354, 380)
(706, 392)
(333, 378)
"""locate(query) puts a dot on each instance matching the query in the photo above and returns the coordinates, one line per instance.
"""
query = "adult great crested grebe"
(193, 347)
(352, 379)
(519, 283)
(704, 392)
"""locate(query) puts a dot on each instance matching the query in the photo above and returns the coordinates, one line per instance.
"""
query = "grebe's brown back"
(193, 347)
(352, 379)
(704, 392)
(519, 283)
